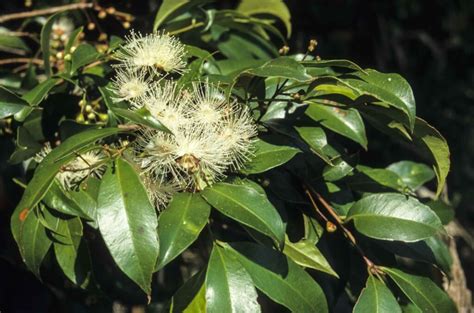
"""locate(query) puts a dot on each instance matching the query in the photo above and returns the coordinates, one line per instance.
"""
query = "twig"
(371, 267)
(52, 10)
(21, 60)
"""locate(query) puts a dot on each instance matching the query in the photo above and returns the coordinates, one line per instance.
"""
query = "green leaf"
(10, 103)
(127, 221)
(279, 278)
(346, 122)
(391, 216)
(306, 254)
(180, 224)
(332, 63)
(83, 55)
(423, 292)
(369, 179)
(267, 156)
(428, 138)
(229, 288)
(57, 199)
(267, 7)
(37, 94)
(45, 41)
(47, 170)
(284, 67)
(316, 138)
(376, 298)
(247, 206)
(413, 174)
(141, 116)
(34, 243)
(392, 89)
(444, 211)
(191, 296)
(10, 42)
(68, 252)
(171, 8)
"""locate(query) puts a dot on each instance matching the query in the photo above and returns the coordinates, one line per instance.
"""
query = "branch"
(21, 60)
(48, 11)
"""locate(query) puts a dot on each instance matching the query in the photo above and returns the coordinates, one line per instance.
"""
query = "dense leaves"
(289, 217)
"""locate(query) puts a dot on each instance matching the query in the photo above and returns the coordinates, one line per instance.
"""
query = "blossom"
(86, 164)
(129, 84)
(62, 29)
(157, 51)
(166, 103)
(201, 147)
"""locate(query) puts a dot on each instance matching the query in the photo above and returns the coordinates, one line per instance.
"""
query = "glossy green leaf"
(276, 8)
(180, 224)
(191, 296)
(267, 156)
(45, 42)
(141, 116)
(422, 291)
(247, 206)
(12, 43)
(283, 67)
(57, 199)
(376, 298)
(306, 254)
(316, 138)
(10, 103)
(49, 167)
(346, 122)
(229, 288)
(412, 174)
(128, 222)
(392, 89)
(332, 63)
(369, 179)
(37, 94)
(34, 242)
(83, 55)
(339, 169)
(429, 139)
(67, 251)
(392, 216)
(171, 8)
(279, 278)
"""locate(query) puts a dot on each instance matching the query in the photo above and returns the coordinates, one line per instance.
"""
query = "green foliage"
(278, 230)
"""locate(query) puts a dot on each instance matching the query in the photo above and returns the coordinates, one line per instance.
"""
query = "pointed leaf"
(247, 206)
(280, 278)
(191, 296)
(376, 298)
(284, 67)
(45, 42)
(127, 221)
(346, 122)
(141, 116)
(229, 288)
(180, 224)
(306, 254)
(34, 242)
(276, 8)
(37, 94)
(391, 216)
(422, 291)
(10, 103)
(392, 89)
(412, 174)
(267, 156)
(429, 139)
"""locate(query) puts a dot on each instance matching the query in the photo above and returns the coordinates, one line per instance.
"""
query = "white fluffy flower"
(202, 147)
(73, 173)
(166, 104)
(129, 84)
(157, 51)
(62, 28)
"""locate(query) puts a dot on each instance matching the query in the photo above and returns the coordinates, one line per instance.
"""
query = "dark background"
(429, 42)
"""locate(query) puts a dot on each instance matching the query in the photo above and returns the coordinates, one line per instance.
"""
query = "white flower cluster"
(76, 171)
(209, 135)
